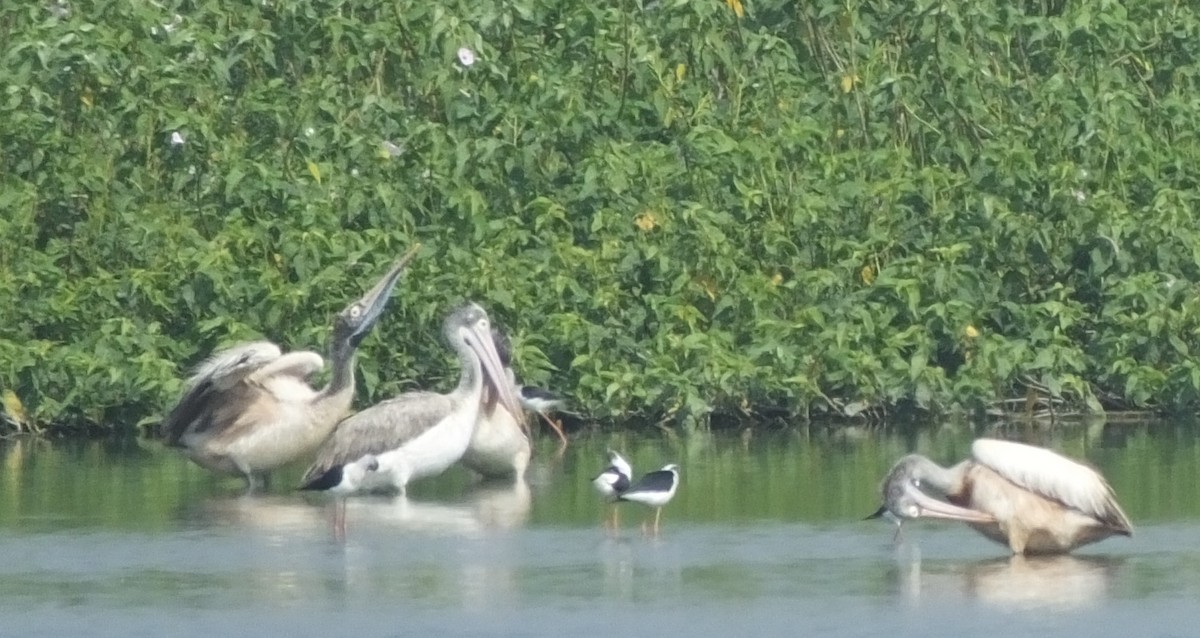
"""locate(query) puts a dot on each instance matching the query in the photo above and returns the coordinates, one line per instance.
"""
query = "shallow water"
(765, 536)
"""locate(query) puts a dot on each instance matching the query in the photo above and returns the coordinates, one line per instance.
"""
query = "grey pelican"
(500, 445)
(420, 434)
(250, 409)
(613, 480)
(655, 489)
(1029, 498)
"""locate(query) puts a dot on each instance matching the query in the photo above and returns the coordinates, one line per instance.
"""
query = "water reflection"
(485, 507)
(1014, 583)
(764, 536)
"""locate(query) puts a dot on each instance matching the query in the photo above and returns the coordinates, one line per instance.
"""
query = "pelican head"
(904, 499)
(469, 330)
(353, 323)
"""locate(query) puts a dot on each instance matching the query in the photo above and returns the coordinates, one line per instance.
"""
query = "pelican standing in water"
(612, 481)
(500, 446)
(1029, 498)
(250, 409)
(420, 434)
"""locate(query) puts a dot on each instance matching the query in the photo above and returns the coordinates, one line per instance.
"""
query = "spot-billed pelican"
(500, 445)
(421, 434)
(655, 489)
(250, 409)
(612, 481)
(1029, 498)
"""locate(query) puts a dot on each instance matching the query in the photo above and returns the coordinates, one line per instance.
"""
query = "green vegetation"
(679, 211)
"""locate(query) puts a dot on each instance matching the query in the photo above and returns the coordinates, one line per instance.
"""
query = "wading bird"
(250, 409)
(500, 446)
(341, 481)
(420, 434)
(1029, 498)
(612, 481)
(655, 489)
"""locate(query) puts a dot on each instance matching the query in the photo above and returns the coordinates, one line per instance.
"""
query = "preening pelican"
(655, 489)
(612, 481)
(250, 409)
(1029, 498)
(421, 434)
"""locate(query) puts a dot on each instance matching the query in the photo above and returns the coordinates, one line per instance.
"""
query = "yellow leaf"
(646, 221)
(868, 274)
(15, 409)
(777, 279)
(971, 332)
(680, 71)
(86, 98)
(709, 286)
(736, 5)
(314, 170)
(848, 82)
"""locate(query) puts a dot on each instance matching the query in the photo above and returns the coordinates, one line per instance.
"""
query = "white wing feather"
(231, 365)
(1053, 476)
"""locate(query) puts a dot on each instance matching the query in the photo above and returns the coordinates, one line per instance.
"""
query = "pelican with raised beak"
(249, 409)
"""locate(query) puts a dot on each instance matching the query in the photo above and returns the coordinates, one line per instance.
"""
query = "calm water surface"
(765, 537)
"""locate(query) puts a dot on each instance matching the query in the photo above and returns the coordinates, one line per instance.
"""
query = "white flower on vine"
(177, 138)
(466, 57)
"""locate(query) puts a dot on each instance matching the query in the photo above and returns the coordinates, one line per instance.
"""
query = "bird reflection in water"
(486, 507)
(1059, 582)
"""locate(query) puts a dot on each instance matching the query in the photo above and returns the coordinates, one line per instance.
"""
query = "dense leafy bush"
(678, 206)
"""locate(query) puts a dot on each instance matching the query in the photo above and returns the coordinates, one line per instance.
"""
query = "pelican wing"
(380, 428)
(230, 366)
(1053, 476)
(239, 387)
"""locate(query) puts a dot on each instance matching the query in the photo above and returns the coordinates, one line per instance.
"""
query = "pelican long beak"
(495, 374)
(375, 299)
(933, 508)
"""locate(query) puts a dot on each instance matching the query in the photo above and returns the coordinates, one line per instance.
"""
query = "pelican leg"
(257, 482)
(657, 516)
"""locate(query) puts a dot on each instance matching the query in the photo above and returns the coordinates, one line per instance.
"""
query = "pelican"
(420, 434)
(612, 481)
(249, 409)
(500, 445)
(1029, 498)
(655, 489)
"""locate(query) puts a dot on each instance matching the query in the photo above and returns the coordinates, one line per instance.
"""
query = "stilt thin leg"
(557, 427)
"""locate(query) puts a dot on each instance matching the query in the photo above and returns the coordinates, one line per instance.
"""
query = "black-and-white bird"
(250, 409)
(341, 481)
(612, 481)
(420, 434)
(655, 489)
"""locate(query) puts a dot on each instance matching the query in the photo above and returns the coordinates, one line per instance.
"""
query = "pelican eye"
(355, 311)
